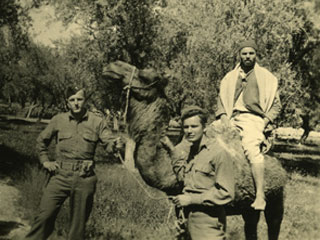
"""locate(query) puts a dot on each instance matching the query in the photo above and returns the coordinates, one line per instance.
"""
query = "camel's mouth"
(110, 74)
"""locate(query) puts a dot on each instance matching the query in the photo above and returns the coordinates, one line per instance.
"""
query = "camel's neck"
(147, 122)
(148, 119)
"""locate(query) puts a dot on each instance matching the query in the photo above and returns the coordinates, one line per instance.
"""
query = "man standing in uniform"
(76, 133)
(249, 100)
(206, 171)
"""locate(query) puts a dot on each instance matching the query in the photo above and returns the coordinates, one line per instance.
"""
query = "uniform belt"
(213, 211)
(238, 112)
(75, 165)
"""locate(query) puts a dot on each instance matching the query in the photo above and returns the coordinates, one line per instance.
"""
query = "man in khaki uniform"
(206, 171)
(76, 133)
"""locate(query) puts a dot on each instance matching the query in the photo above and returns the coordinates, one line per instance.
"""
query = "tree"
(112, 30)
(14, 23)
(207, 34)
(193, 42)
(305, 59)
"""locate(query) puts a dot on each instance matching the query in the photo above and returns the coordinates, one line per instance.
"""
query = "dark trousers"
(65, 184)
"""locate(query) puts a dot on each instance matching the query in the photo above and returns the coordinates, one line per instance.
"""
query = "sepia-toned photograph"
(159, 119)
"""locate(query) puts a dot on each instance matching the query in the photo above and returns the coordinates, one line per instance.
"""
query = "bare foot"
(259, 204)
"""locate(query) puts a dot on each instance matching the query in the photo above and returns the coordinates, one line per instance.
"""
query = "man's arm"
(179, 155)
(179, 158)
(220, 109)
(222, 115)
(107, 137)
(43, 142)
(274, 110)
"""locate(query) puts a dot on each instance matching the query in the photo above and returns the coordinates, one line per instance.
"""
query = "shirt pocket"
(62, 136)
(203, 176)
(90, 136)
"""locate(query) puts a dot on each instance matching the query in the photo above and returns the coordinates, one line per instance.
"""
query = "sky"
(46, 27)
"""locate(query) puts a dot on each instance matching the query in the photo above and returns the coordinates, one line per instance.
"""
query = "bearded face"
(248, 57)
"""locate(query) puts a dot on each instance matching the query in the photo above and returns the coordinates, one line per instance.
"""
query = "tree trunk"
(32, 106)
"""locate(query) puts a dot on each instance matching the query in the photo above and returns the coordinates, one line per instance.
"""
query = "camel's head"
(145, 84)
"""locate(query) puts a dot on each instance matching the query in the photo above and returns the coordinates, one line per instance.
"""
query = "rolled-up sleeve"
(179, 157)
(45, 138)
(106, 136)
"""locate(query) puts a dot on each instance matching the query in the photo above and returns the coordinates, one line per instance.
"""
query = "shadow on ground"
(12, 163)
(17, 145)
(306, 167)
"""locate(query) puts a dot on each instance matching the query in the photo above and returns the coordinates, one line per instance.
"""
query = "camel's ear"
(149, 75)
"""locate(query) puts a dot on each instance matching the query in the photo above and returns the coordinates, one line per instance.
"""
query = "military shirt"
(75, 140)
(208, 173)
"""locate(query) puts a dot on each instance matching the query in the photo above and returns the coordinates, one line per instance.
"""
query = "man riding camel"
(249, 100)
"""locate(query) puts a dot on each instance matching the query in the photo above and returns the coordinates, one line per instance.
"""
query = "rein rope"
(128, 95)
(129, 87)
(138, 181)
(118, 154)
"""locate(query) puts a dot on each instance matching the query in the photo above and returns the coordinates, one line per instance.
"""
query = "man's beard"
(248, 63)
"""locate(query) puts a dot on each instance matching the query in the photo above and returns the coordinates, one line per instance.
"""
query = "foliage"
(304, 58)
(35, 78)
(194, 43)
(211, 32)
(14, 23)
(113, 30)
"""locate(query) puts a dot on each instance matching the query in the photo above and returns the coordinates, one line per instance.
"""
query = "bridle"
(130, 86)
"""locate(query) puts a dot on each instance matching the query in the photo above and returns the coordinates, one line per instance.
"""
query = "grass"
(302, 212)
(122, 209)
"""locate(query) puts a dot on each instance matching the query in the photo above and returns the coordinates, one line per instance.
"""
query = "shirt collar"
(85, 116)
(204, 142)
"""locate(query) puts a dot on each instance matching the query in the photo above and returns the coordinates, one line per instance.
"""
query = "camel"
(148, 117)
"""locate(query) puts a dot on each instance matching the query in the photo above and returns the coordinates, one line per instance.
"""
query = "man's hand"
(268, 126)
(225, 121)
(51, 166)
(182, 200)
(118, 144)
(266, 122)
(167, 143)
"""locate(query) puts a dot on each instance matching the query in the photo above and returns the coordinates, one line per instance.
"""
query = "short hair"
(194, 110)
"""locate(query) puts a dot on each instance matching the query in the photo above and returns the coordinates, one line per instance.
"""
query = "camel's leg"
(274, 214)
(251, 219)
(129, 154)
